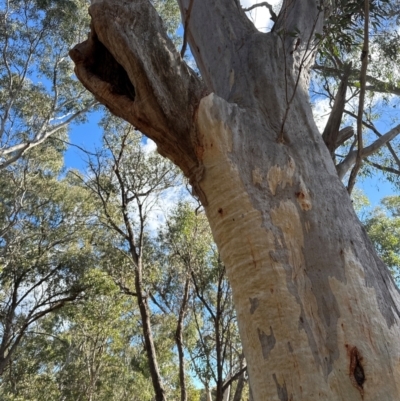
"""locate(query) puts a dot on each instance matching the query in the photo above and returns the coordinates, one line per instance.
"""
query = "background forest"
(111, 287)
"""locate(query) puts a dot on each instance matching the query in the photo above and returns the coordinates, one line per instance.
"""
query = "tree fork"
(308, 287)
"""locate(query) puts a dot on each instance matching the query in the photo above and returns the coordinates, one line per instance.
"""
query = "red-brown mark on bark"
(221, 211)
(303, 199)
(356, 370)
(253, 257)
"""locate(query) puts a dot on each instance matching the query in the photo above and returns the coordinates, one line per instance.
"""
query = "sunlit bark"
(317, 310)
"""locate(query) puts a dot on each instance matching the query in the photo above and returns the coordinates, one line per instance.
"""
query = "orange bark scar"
(303, 196)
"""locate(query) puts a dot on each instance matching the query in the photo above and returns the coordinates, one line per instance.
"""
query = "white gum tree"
(318, 312)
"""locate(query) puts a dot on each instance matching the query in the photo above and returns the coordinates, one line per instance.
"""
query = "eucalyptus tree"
(318, 311)
(217, 356)
(194, 289)
(172, 290)
(337, 77)
(383, 227)
(82, 352)
(45, 251)
(98, 347)
(39, 95)
(127, 182)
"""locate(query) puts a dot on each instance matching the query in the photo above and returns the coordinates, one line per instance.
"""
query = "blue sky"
(88, 135)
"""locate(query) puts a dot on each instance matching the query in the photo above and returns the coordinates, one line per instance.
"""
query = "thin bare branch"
(20, 149)
(372, 127)
(363, 80)
(350, 159)
(383, 168)
(234, 377)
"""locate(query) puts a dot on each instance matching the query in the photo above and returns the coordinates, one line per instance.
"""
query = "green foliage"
(186, 251)
(39, 94)
(343, 28)
(171, 16)
(45, 250)
(340, 45)
(383, 227)
(360, 200)
(82, 352)
(70, 326)
(74, 245)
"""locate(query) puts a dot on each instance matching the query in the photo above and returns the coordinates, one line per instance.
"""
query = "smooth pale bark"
(227, 394)
(318, 312)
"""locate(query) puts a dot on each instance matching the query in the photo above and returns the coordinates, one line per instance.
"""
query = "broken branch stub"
(131, 66)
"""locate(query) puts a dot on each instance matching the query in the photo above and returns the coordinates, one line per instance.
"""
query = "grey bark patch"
(273, 256)
(254, 304)
(267, 342)
(281, 390)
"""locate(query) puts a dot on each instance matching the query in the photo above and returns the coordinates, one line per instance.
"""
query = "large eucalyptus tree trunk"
(317, 310)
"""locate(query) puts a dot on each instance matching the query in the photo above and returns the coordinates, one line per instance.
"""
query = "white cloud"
(321, 111)
(149, 146)
(161, 206)
(260, 15)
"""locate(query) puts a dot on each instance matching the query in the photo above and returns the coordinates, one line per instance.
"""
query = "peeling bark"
(307, 284)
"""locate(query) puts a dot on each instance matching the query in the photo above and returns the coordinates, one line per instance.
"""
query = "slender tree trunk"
(179, 341)
(239, 388)
(317, 310)
(208, 394)
(219, 340)
(141, 296)
(6, 347)
(3, 365)
(226, 394)
(148, 336)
